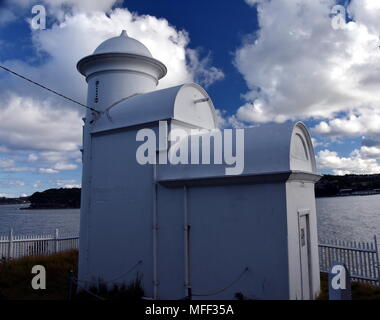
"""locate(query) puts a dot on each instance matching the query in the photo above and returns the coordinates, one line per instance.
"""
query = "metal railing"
(18, 246)
(361, 258)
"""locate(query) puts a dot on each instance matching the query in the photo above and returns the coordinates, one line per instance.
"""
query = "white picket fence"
(361, 258)
(18, 246)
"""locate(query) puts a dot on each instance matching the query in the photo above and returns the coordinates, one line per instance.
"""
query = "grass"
(359, 291)
(16, 277)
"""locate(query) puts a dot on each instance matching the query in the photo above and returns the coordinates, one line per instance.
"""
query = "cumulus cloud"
(48, 129)
(12, 183)
(67, 184)
(204, 74)
(253, 2)
(363, 121)
(32, 124)
(354, 164)
(370, 152)
(47, 170)
(6, 163)
(298, 67)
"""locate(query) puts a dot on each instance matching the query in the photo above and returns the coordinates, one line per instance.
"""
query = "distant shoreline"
(348, 195)
(13, 203)
(50, 208)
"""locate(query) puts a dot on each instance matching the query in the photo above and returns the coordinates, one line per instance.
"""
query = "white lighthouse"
(190, 230)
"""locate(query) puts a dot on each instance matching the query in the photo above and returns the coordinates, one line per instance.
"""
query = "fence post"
(56, 243)
(377, 259)
(10, 244)
(70, 279)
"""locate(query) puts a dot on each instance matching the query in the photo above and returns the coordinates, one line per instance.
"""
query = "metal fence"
(18, 246)
(361, 258)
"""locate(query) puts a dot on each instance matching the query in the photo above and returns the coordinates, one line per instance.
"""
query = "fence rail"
(18, 246)
(361, 258)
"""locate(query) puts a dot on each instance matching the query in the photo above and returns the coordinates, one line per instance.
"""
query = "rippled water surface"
(349, 218)
(344, 218)
(38, 221)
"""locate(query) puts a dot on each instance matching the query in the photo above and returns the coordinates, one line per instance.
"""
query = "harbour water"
(29, 222)
(349, 218)
(343, 218)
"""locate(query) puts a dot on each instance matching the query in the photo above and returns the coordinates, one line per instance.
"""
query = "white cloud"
(67, 184)
(55, 6)
(12, 183)
(316, 143)
(364, 121)
(35, 121)
(32, 157)
(32, 124)
(6, 163)
(65, 166)
(19, 169)
(204, 74)
(370, 152)
(224, 121)
(47, 170)
(298, 67)
(354, 164)
(253, 2)
(37, 184)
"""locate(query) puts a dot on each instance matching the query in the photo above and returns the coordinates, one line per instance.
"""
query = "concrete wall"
(300, 196)
(171, 268)
(119, 223)
(231, 228)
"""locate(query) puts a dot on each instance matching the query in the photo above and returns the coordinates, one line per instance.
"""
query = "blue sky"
(261, 61)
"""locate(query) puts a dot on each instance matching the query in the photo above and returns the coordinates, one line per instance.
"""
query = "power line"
(89, 291)
(46, 88)
(223, 289)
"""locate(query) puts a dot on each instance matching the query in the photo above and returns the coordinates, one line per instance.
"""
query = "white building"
(190, 229)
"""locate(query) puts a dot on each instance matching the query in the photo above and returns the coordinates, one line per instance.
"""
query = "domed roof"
(123, 44)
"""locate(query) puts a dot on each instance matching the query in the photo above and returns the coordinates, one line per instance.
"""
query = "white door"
(304, 254)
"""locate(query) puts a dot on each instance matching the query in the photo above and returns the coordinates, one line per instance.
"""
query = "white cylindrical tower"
(118, 68)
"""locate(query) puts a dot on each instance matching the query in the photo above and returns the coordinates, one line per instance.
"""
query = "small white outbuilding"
(190, 230)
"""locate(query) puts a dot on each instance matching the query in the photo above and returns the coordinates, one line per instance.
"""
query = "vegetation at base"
(330, 185)
(16, 277)
(359, 291)
(131, 291)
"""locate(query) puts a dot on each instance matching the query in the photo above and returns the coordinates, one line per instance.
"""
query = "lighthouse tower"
(189, 230)
(118, 68)
(118, 205)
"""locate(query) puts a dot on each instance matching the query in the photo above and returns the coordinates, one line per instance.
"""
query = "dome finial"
(124, 33)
